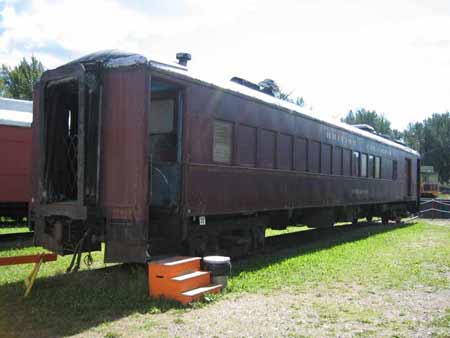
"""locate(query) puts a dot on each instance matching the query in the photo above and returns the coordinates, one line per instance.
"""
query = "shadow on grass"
(310, 241)
(68, 304)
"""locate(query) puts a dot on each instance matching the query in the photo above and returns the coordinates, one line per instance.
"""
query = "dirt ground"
(319, 310)
(338, 311)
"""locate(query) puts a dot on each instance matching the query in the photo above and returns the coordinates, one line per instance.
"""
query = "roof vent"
(365, 127)
(267, 86)
(183, 58)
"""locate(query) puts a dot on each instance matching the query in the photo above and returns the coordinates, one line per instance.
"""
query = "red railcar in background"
(15, 157)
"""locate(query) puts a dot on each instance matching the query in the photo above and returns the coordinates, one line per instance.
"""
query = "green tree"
(2, 87)
(431, 138)
(378, 121)
(18, 82)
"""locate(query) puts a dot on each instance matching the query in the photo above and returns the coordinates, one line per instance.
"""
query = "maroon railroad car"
(15, 155)
(151, 159)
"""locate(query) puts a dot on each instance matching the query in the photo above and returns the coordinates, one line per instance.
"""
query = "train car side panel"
(247, 172)
(125, 163)
(15, 152)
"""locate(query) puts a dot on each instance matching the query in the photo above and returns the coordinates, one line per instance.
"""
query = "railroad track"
(16, 240)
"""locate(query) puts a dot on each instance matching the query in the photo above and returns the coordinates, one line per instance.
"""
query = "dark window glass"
(314, 157)
(247, 145)
(301, 151)
(284, 151)
(355, 163)
(363, 165)
(223, 132)
(267, 149)
(370, 166)
(377, 167)
(325, 162)
(346, 162)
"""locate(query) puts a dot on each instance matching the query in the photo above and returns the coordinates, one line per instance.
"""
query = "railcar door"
(125, 167)
(408, 176)
(164, 130)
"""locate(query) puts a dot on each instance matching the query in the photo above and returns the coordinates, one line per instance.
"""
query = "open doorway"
(164, 126)
(61, 115)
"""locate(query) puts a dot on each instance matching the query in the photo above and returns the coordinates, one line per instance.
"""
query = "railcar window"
(222, 146)
(370, 166)
(337, 161)
(377, 167)
(284, 152)
(364, 165)
(314, 157)
(355, 163)
(325, 161)
(162, 116)
(301, 151)
(267, 149)
(247, 145)
(346, 162)
(394, 170)
(162, 129)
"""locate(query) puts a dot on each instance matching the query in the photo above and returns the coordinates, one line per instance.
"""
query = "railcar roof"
(16, 112)
(115, 58)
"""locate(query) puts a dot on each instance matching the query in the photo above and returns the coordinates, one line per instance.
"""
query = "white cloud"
(392, 57)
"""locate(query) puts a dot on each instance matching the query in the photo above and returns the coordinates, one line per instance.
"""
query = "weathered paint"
(124, 167)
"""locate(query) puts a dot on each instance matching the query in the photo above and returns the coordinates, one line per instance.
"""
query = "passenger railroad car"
(151, 159)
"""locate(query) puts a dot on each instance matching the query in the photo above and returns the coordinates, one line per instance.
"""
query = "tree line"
(431, 137)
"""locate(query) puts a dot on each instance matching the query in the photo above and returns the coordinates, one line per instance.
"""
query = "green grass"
(11, 230)
(392, 257)
(62, 304)
(271, 232)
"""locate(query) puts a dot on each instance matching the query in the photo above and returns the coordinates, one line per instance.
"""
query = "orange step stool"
(180, 278)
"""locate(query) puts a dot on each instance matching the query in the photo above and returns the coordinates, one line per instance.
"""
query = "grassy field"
(11, 230)
(377, 258)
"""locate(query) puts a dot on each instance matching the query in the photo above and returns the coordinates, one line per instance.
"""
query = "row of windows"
(286, 152)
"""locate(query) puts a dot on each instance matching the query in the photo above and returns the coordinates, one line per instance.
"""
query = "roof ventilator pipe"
(183, 58)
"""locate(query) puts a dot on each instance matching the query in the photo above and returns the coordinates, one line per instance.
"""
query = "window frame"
(361, 161)
(232, 124)
(375, 167)
(394, 170)
(358, 164)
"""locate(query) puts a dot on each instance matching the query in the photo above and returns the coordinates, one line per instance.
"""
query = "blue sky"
(391, 56)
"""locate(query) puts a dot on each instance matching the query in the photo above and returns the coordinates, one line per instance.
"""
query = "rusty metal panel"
(246, 145)
(15, 152)
(284, 151)
(124, 178)
(267, 149)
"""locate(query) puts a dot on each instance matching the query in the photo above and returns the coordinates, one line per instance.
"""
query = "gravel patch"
(337, 311)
